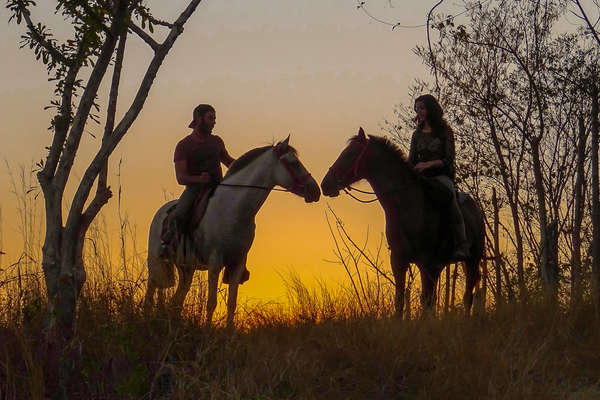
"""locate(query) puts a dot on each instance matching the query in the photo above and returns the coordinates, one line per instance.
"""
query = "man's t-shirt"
(202, 154)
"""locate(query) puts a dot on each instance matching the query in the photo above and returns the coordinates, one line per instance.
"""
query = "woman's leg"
(461, 246)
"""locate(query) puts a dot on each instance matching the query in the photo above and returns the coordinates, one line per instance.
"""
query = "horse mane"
(388, 147)
(251, 155)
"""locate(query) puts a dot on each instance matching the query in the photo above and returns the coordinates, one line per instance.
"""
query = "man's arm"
(225, 157)
(183, 176)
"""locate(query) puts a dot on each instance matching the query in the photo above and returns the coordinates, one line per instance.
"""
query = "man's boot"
(166, 240)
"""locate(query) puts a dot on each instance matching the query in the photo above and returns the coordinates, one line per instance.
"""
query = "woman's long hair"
(435, 116)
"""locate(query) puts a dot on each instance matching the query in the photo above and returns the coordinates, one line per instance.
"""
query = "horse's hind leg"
(472, 278)
(429, 278)
(211, 302)
(186, 274)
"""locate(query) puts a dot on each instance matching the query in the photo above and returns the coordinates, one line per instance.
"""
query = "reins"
(347, 191)
(253, 187)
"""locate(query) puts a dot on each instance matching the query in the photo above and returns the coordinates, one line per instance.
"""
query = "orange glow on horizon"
(316, 71)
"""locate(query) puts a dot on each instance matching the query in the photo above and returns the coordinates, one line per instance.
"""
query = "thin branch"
(86, 103)
(343, 261)
(437, 86)
(112, 104)
(144, 36)
(372, 264)
(35, 34)
(589, 23)
(160, 22)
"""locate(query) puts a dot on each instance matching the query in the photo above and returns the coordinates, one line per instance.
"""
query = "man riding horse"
(197, 159)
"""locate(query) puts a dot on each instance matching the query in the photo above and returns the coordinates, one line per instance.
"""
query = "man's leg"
(180, 214)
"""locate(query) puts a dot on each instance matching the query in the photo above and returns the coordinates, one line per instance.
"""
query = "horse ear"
(284, 143)
(361, 134)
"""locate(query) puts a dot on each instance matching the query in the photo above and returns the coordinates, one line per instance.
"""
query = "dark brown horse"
(417, 229)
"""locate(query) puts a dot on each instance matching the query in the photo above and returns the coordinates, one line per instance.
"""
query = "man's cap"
(199, 111)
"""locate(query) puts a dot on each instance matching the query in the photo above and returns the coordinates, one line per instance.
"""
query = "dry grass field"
(320, 345)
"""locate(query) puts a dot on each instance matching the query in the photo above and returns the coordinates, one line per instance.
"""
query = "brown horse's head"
(349, 167)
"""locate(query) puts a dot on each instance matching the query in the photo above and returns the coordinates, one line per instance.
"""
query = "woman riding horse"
(432, 154)
(416, 226)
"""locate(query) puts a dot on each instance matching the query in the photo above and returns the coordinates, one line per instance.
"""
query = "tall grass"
(320, 345)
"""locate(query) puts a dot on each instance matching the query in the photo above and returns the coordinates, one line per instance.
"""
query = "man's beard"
(204, 129)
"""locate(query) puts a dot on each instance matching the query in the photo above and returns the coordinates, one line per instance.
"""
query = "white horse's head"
(292, 175)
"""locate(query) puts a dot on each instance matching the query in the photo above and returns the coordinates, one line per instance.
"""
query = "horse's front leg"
(471, 268)
(399, 268)
(214, 267)
(186, 274)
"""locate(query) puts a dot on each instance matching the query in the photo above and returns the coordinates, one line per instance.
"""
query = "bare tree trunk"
(595, 203)
(578, 215)
(548, 237)
(512, 191)
(497, 256)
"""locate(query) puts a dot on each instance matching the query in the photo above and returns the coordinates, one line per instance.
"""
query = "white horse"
(226, 231)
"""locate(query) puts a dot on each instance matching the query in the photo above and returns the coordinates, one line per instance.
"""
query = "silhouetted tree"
(514, 91)
(78, 66)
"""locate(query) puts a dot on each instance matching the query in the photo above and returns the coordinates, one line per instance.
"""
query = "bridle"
(335, 170)
(299, 181)
(354, 170)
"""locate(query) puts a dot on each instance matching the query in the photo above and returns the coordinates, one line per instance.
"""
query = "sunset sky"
(315, 69)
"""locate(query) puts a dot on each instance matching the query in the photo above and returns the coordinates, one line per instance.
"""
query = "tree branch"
(86, 102)
(588, 22)
(431, 55)
(144, 36)
(112, 105)
(36, 35)
(91, 12)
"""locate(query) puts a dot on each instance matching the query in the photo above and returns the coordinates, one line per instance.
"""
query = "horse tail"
(161, 273)
(474, 219)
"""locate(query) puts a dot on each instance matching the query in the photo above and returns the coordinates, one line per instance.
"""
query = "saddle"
(198, 210)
